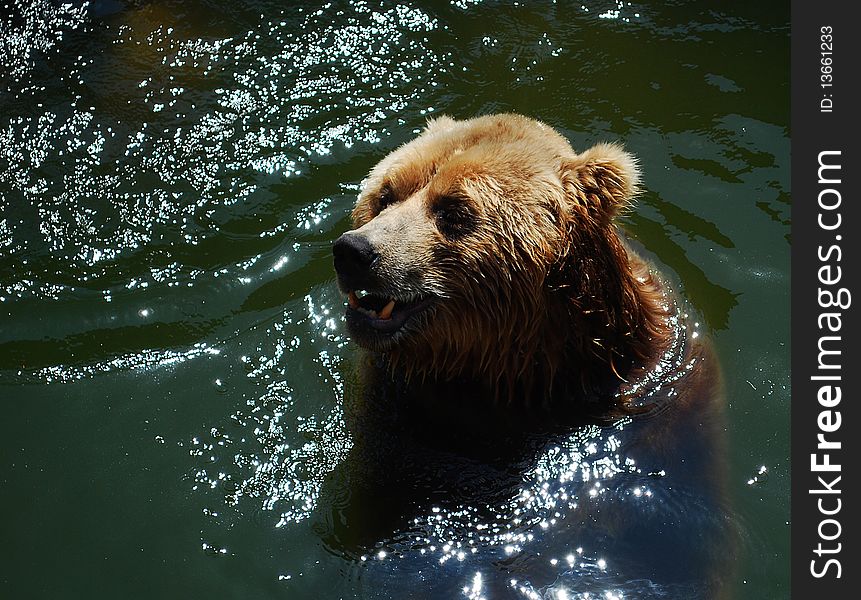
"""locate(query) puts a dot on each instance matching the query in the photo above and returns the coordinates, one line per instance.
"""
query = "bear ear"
(602, 180)
(440, 123)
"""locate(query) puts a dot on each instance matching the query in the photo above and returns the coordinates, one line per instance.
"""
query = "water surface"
(173, 363)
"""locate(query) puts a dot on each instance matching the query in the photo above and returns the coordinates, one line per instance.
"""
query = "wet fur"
(540, 295)
(539, 300)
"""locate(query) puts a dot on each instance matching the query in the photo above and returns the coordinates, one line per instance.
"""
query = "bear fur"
(499, 241)
(485, 264)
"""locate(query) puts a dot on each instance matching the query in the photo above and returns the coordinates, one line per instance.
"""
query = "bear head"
(486, 249)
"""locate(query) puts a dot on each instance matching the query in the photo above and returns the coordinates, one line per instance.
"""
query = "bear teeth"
(386, 312)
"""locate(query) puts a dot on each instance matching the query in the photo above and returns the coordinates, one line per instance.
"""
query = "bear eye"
(454, 216)
(386, 198)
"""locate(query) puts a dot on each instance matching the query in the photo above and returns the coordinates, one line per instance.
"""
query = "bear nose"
(354, 256)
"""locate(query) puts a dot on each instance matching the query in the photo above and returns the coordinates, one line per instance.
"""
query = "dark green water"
(172, 355)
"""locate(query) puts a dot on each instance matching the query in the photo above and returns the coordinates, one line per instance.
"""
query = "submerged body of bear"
(531, 389)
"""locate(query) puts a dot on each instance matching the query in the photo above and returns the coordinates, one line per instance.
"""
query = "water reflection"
(31, 29)
(216, 124)
(171, 175)
(447, 485)
(697, 285)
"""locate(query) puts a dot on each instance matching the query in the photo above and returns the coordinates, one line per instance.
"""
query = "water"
(173, 363)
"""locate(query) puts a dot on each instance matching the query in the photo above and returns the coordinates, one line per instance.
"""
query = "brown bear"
(485, 265)
(485, 250)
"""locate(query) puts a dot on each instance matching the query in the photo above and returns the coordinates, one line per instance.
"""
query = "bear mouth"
(373, 317)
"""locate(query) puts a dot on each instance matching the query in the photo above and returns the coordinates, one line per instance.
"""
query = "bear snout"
(354, 256)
